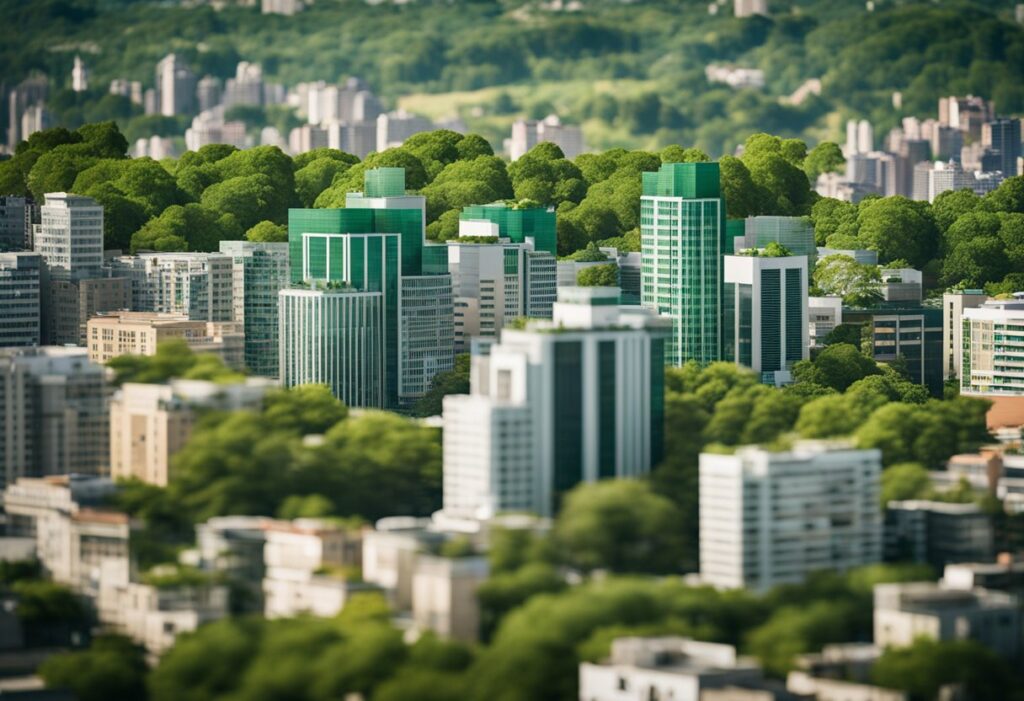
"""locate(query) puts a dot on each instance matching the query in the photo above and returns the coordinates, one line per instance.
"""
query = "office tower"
(393, 128)
(53, 413)
(993, 340)
(19, 299)
(954, 303)
(208, 93)
(946, 142)
(965, 114)
(518, 224)
(796, 234)
(495, 281)
(16, 215)
(140, 333)
(306, 138)
(909, 336)
(527, 133)
(79, 75)
(556, 403)
(769, 297)
(683, 239)
(860, 137)
(932, 179)
(31, 92)
(373, 246)
(937, 533)
(259, 272)
(149, 423)
(427, 333)
(197, 285)
(335, 337)
(749, 8)
(175, 86)
(1003, 137)
(246, 88)
(769, 518)
(210, 127)
(69, 236)
(72, 304)
(132, 89)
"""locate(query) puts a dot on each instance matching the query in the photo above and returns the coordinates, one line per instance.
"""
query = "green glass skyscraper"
(517, 223)
(683, 239)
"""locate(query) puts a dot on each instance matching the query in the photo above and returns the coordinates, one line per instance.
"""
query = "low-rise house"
(444, 595)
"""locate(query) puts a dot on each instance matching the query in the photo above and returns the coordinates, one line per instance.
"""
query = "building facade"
(518, 224)
(769, 518)
(16, 219)
(682, 229)
(992, 347)
(910, 337)
(954, 303)
(575, 399)
(198, 285)
(140, 333)
(260, 271)
(19, 299)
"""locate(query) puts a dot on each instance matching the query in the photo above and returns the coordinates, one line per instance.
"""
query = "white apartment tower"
(992, 347)
(556, 403)
(769, 518)
(175, 86)
(69, 236)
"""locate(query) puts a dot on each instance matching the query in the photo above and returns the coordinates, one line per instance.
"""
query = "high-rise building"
(527, 133)
(69, 236)
(769, 518)
(954, 303)
(336, 337)
(575, 399)
(495, 281)
(768, 295)
(53, 413)
(198, 285)
(79, 75)
(29, 93)
(794, 233)
(393, 128)
(260, 271)
(139, 333)
(70, 305)
(908, 336)
(175, 86)
(246, 88)
(1002, 136)
(518, 224)
(427, 333)
(19, 299)
(208, 93)
(749, 8)
(16, 219)
(373, 246)
(149, 423)
(993, 341)
(683, 240)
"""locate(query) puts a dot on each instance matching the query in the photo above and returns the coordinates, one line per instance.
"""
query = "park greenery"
(632, 74)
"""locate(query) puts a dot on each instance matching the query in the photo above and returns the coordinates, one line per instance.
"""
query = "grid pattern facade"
(795, 233)
(993, 355)
(260, 271)
(541, 284)
(336, 338)
(19, 299)
(428, 334)
(70, 236)
(909, 336)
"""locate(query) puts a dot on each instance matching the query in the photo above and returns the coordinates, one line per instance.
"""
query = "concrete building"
(19, 299)
(1002, 137)
(309, 568)
(26, 95)
(69, 304)
(208, 92)
(824, 314)
(149, 423)
(444, 595)
(905, 612)
(246, 88)
(840, 673)
(902, 286)
(69, 236)
(393, 128)
(53, 413)
(79, 75)
(1005, 574)
(232, 547)
(198, 285)
(175, 86)
(139, 333)
(992, 347)
(937, 533)
(954, 302)
(17, 215)
(556, 403)
(495, 281)
(674, 668)
(259, 272)
(427, 333)
(211, 127)
(910, 336)
(682, 229)
(282, 7)
(749, 8)
(527, 133)
(768, 296)
(769, 518)
(796, 234)
(390, 553)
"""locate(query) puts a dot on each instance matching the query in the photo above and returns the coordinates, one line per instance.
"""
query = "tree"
(599, 276)
(976, 262)
(898, 228)
(908, 480)
(859, 284)
(173, 359)
(544, 174)
(267, 232)
(826, 157)
(505, 591)
(950, 205)
(462, 183)
(926, 665)
(191, 227)
(838, 366)
(833, 217)
(620, 525)
(250, 198)
(741, 195)
(775, 168)
(113, 667)
(1008, 197)
(793, 630)
(317, 176)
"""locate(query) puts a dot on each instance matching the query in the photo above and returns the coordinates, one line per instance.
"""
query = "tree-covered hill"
(633, 73)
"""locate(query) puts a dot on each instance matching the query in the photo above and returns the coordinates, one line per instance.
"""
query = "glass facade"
(568, 413)
(518, 224)
(606, 384)
(427, 333)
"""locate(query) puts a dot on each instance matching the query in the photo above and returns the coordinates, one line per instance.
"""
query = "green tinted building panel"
(794, 316)
(511, 261)
(688, 180)
(568, 396)
(745, 335)
(435, 259)
(384, 182)
(409, 223)
(519, 224)
(336, 260)
(606, 383)
(321, 221)
(658, 361)
(771, 320)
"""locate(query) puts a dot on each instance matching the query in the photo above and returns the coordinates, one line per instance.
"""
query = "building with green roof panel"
(683, 239)
(518, 223)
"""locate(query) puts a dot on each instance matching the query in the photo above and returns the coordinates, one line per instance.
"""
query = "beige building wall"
(146, 428)
(139, 333)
